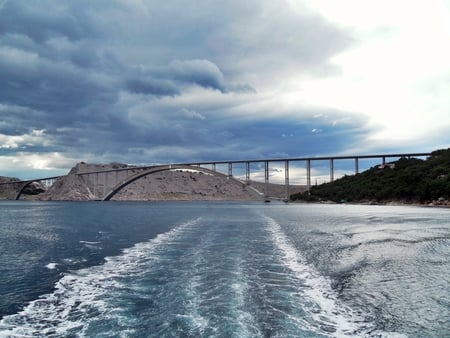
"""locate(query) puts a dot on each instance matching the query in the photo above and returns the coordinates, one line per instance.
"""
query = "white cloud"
(18, 56)
(26, 165)
(192, 114)
(394, 73)
(32, 139)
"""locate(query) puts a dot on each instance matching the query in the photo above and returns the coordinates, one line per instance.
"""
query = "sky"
(148, 82)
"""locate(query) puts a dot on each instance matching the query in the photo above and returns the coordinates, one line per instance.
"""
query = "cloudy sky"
(147, 81)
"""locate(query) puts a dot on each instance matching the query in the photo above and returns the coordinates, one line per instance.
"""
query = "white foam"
(90, 243)
(82, 296)
(51, 266)
(381, 334)
(247, 323)
(326, 310)
(197, 321)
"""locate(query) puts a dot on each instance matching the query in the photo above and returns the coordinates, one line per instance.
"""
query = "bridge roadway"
(130, 172)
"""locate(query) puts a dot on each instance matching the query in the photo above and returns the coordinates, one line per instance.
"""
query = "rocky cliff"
(166, 185)
(9, 186)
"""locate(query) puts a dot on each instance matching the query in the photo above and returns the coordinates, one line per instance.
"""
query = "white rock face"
(165, 185)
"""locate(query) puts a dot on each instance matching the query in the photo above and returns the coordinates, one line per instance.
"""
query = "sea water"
(216, 269)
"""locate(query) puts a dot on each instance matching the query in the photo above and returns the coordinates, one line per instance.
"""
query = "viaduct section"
(106, 183)
(308, 162)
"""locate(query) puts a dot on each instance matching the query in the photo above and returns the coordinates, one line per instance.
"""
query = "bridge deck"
(20, 185)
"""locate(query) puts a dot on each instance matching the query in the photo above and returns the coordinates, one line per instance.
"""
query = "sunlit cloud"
(35, 138)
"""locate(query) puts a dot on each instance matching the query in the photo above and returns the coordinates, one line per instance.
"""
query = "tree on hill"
(408, 179)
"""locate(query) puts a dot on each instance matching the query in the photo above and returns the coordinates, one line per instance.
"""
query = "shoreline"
(432, 204)
(237, 200)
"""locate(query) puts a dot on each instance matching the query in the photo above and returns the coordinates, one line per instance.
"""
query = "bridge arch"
(22, 188)
(157, 169)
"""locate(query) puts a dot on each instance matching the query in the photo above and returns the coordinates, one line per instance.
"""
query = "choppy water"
(223, 270)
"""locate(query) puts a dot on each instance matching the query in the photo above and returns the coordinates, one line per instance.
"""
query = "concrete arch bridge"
(103, 184)
(152, 170)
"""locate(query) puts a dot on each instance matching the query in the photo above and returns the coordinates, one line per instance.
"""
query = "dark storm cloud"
(152, 87)
(201, 72)
(286, 137)
(130, 80)
(49, 87)
(43, 20)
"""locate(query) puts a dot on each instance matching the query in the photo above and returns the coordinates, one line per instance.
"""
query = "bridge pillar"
(356, 165)
(384, 160)
(96, 194)
(266, 178)
(230, 169)
(308, 174)
(105, 185)
(331, 170)
(213, 166)
(286, 178)
(247, 173)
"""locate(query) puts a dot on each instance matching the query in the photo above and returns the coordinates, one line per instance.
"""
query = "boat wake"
(82, 299)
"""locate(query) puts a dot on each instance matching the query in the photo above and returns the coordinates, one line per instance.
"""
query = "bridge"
(104, 184)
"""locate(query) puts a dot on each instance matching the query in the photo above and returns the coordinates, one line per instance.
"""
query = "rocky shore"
(439, 203)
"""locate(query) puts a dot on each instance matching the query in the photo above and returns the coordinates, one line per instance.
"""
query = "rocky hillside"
(166, 185)
(408, 180)
(7, 190)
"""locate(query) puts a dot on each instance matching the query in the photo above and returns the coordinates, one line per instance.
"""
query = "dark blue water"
(181, 269)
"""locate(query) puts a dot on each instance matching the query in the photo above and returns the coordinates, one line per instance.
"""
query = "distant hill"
(165, 185)
(406, 180)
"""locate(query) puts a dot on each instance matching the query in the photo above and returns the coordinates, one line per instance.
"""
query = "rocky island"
(190, 185)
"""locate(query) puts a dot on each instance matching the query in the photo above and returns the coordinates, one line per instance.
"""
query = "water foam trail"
(213, 281)
(82, 296)
(327, 313)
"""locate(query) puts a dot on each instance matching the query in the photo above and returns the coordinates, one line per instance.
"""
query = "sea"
(223, 269)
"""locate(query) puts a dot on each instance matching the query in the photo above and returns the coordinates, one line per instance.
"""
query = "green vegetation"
(408, 180)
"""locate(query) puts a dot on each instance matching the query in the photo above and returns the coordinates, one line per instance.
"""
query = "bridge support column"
(96, 194)
(331, 170)
(384, 160)
(286, 178)
(213, 166)
(356, 165)
(230, 169)
(308, 174)
(105, 185)
(247, 173)
(266, 178)
(48, 183)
